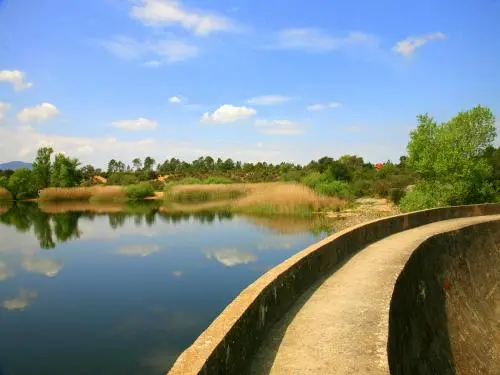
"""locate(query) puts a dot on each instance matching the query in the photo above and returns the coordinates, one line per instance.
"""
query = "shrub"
(139, 191)
(292, 176)
(339, 189)
(189, 181)
(313, 179)
(217, 180)
(122, 179)
(396, 194)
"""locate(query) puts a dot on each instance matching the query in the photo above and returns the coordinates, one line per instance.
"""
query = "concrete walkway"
(340, 326)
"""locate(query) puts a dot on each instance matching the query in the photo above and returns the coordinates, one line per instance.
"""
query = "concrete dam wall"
(230, 343)
(445, 311)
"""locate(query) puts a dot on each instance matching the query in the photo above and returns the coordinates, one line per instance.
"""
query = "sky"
(254, 80)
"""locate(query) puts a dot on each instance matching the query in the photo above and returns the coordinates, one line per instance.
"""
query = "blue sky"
(252, 80)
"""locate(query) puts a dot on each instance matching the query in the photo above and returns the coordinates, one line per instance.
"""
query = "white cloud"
(407, 46)
(279, 127)
(22, 301)
(320, 107)
(136, 125)
(315, 40)
(139, 250)
(152, 64)
(5, 272)
(47, 267)
(156, 52)
(174, 100)
(4, 107)
(268, 100)
(39, 113)
(174, 50)
(171, 12)
(16, 78)
(227, 114)
(177, 273)
(231, 257)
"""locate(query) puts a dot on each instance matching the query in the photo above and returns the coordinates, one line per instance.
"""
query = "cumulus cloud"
(21, 302)
(47, 267)
(320, 107)
(231, 257)
(39, 113)
(156, 52)
(407, 46)
(136, 125)
(227, 114)
(4, 107)
(16, 78)
(139, 250)
(268, 100)
(173, 13)
(279, 127)
(174, 100)
(315, 40)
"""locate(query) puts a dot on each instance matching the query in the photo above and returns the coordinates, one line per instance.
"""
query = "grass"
(5, 194)
(275, 198)
(94, 194)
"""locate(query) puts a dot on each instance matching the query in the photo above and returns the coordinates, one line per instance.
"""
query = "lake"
(84, 291)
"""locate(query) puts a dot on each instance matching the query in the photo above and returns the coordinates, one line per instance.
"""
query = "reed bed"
(5, 194)
(261, 198)
(94, 193)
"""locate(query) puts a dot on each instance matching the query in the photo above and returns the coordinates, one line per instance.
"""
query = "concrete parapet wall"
(228, 344)
(445, 309)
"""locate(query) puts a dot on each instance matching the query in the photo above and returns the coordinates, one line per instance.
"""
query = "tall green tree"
(42, 167)
(21, 184)
(64, 171)
(450, 160)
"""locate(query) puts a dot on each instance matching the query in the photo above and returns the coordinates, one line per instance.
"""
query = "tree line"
(454, 162)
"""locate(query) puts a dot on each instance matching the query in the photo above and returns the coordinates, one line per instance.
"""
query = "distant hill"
(15, 165)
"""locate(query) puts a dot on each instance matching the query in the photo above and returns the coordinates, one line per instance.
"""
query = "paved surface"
(340, 326)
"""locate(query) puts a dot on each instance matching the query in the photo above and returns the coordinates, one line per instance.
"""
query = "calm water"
(124, 292)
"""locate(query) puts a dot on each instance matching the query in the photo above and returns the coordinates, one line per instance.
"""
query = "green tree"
(42, 167)
(450, 160)
(21, 184)
(64, 172)
(137, 163)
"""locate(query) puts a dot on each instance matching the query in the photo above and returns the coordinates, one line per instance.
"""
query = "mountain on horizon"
(15, 165)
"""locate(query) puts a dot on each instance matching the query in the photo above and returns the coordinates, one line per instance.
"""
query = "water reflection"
(128, 285)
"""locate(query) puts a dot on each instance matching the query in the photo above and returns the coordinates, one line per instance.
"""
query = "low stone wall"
(445, 308)
(228, 344)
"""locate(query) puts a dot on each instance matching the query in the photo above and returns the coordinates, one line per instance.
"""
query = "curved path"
(340, 325)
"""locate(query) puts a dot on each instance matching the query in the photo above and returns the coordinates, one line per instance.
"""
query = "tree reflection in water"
(50, 227)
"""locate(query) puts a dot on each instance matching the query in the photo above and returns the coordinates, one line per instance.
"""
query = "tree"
(64, 171)
(42, 167)
(450, 160)
(21, 184)
(149, 164)
(137, 163)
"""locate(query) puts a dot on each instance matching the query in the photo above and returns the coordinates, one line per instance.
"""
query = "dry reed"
(100, 193)
(5, 194)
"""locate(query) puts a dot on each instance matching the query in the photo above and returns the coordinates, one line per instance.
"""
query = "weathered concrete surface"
(445, 309)
(341, 325)
(228, 345)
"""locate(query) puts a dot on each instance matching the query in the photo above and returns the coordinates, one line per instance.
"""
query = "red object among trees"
(378, 166)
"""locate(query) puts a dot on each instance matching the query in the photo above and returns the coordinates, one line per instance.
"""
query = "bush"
(313, 179)
(189, 181)
(396, 194)
(217, 180)
(339, 189)
(122, 179)
(139, 191)
(291, 176)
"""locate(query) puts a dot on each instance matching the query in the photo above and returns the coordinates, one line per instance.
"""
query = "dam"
(416, 293)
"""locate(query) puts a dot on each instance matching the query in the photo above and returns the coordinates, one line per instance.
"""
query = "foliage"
(454, 160)
(139, 191)
(42, 167)
(21, 184)
(64, 172)
(121, 178)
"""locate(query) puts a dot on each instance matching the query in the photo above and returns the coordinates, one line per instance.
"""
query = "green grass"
(139, 191)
